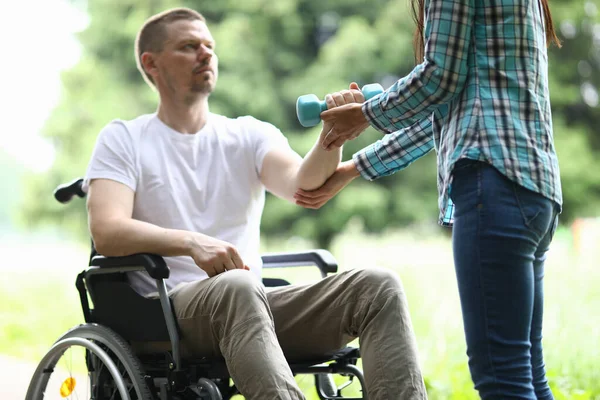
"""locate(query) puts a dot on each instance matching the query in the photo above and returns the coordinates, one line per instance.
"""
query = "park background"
(68, 69)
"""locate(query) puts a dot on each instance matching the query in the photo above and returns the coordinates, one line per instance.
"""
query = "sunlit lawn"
(39, 302)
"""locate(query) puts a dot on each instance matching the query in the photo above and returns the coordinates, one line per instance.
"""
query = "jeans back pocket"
(537, 210)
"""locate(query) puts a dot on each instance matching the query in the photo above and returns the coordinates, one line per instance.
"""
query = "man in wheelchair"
(189, 185)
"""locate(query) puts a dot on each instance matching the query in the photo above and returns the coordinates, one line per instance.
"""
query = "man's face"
(187, 64)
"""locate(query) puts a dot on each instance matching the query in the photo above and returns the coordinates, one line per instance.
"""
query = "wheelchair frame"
(120, 315)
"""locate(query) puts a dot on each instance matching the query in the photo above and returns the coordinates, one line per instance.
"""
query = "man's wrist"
(186, 243)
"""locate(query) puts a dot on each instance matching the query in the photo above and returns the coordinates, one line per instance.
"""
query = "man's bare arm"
(116, 233)
(284, 171)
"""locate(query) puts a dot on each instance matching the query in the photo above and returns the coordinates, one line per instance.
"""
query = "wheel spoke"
(98, 345)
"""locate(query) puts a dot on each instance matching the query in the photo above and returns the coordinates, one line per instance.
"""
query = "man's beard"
(205, 85)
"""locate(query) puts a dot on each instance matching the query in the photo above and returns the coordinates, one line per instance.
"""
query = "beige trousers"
(255, 330)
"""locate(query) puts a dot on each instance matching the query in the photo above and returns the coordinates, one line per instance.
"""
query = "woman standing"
(479, 96)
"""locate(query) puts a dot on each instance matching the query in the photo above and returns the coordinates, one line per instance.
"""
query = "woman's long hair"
(418, 11)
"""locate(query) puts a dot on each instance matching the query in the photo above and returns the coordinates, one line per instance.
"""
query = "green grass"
(38, 304)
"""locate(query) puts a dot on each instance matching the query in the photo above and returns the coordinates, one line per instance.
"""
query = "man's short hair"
(153, 34)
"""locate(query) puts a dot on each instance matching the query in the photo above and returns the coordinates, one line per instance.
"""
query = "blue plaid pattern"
(481, 93)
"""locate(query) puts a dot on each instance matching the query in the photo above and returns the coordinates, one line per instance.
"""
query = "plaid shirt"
(481, 93)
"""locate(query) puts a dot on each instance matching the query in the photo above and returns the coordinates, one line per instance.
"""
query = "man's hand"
(342, 123)
(338, 99)
(214, 256)
(343, 175)
(116, 233)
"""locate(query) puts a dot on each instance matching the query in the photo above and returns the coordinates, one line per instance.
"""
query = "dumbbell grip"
(367, 93)
(309, 107)
(323, 105)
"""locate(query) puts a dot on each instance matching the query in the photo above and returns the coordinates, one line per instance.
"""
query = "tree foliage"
(270, 52)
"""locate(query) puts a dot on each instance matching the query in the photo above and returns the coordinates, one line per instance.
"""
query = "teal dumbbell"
(309, 107)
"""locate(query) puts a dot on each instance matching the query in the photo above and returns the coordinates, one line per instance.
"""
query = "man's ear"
(149, 64)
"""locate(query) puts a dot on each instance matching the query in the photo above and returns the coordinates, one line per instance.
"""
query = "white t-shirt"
(207, 182)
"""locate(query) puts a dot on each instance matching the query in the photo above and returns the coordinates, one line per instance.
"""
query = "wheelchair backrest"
(118, 306)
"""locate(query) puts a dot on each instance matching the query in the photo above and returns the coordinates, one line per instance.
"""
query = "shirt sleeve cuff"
(374, 114)
(368, 163)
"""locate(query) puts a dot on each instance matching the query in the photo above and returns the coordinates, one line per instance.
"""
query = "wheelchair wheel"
(89, 362)
(325, 386)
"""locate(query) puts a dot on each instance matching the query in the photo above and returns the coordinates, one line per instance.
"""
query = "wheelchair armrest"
(154, 264)
(323, 259)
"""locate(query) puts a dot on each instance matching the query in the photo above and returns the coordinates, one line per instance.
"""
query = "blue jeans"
(501, 235)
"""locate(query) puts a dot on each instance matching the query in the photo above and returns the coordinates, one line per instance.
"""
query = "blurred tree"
(272, 52)
(574, 86)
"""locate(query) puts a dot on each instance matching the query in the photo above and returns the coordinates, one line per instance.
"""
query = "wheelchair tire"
(104, 340)
(210, 388)
(325, 386)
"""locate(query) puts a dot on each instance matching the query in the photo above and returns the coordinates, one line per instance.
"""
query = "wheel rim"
(67, 382)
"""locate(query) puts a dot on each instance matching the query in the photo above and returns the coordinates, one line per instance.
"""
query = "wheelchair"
(116, 317)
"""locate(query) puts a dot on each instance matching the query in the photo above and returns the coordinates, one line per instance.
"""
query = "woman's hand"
(345, 123)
